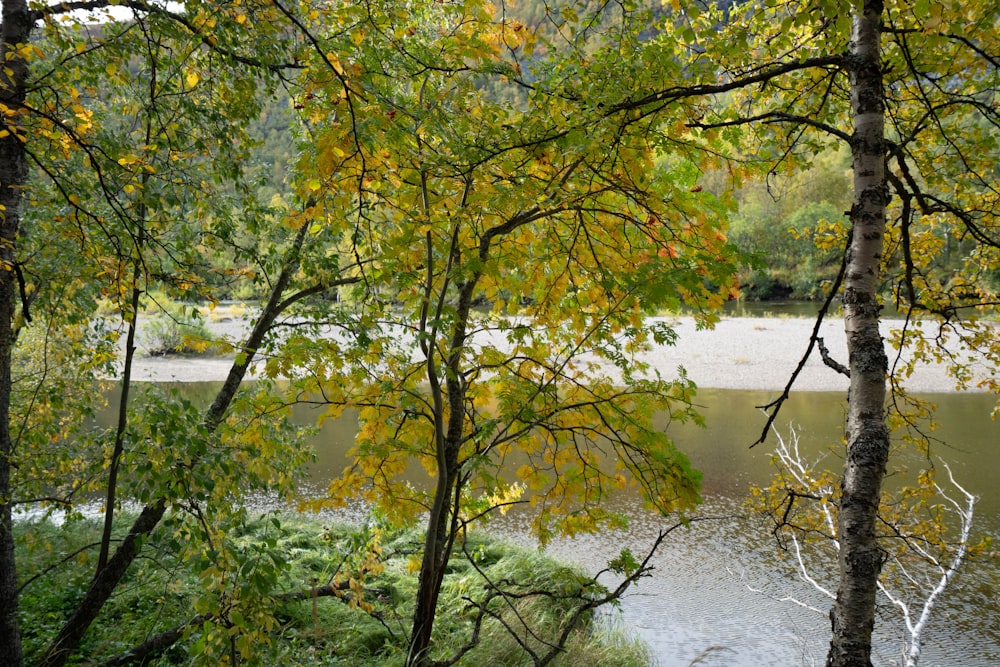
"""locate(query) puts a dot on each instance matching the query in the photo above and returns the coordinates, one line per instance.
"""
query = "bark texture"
(853, 614)
(15, 29)
(441, 524)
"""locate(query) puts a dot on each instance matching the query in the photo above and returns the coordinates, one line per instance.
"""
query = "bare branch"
(772, 408)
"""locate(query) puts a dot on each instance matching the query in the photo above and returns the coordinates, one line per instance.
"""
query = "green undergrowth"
(365, 626)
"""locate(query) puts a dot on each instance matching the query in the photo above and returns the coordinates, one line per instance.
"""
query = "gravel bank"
(739, 353)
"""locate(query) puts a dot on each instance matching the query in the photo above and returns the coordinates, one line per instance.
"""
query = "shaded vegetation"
(363, 624)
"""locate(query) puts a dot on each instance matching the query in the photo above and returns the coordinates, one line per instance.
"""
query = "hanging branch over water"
(771, 409)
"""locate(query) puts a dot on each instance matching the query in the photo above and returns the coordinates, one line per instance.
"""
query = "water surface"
(720, 585)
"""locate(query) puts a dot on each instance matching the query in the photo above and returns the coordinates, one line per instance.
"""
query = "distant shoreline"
(749, 353)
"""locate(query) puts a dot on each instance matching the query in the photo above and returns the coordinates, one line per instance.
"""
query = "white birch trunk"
(860, 561)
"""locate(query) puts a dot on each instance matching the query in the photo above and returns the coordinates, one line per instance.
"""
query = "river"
(719, 583)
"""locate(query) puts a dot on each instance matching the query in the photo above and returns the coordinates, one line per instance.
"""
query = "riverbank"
(352, 617)
(751, 353)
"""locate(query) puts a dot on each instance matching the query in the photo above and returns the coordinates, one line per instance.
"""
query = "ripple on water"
(718, 589)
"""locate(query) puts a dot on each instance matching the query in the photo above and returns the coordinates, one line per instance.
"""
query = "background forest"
(787, 225)
(454, 221)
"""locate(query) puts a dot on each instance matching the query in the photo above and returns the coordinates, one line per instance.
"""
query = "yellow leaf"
(334, 62)
(191, 79)
(28, 51)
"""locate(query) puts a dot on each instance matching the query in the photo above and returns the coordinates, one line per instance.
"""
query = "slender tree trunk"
(111, 497)
(860, 561)
(108, 577)
(102, 586)
(15, 29)
(441, 526)
(437, 551)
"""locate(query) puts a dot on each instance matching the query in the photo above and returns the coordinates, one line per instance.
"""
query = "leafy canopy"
(466, 161)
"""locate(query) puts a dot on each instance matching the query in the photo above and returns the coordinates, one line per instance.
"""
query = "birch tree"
(910, 90)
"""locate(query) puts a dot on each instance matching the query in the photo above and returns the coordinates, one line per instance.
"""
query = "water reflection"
(720, 587)
(721, 583)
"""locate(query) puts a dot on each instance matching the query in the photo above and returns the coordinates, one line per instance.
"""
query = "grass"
(177, 332)
(162, 591)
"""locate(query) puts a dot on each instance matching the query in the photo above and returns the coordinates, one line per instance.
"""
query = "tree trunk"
(448, 431)
(437, 551)
(15, 29)
(102, 587)
(860, 561)
(108, 577)
(440, 535)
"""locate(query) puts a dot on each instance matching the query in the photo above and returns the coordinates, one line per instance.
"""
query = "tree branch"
(771, 409)
(777, 117)
(764, 75)
(824, 353)
(148, 8)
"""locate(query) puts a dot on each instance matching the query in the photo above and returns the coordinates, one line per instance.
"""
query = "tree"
(925, 534)
(14, 33)
(514, 252)
(453, 158)
(114, 210)
(845, 71)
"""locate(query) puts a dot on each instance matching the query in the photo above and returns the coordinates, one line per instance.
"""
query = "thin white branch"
(791, 459)
(786, 598)
(804, 571)
(916, 627)
(966, 514)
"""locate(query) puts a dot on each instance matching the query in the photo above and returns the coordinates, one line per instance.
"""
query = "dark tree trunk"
(448, 433)
(440, 535)
(101, 588)
(15, 29)
(437, 551)
(108, 577)
(860, 561)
